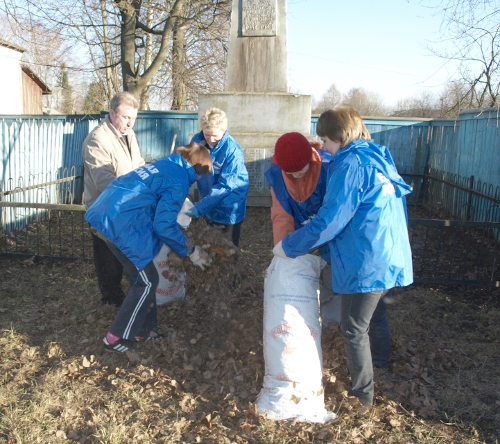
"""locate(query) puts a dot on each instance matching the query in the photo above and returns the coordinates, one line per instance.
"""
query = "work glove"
(193, 212)
(278, 250)
(200, 258)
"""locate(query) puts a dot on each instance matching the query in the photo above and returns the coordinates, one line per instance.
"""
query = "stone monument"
(255, 98)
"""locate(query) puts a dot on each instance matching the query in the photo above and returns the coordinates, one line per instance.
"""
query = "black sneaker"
(122, 346)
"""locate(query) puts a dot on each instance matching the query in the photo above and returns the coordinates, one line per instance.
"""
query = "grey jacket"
(106, 157)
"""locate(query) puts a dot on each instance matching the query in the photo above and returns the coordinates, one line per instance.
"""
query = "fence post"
(469, 200)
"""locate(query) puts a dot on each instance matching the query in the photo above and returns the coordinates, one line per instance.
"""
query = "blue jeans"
(364, 318)
(138, 315)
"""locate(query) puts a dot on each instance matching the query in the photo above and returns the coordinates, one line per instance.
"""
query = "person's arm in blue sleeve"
(232, 176)
(165, 223)
(342, 199)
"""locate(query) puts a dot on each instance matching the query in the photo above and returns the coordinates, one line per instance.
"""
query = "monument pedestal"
(256, 101)
(256, 121)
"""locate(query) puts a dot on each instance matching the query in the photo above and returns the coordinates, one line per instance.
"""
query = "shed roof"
(11, 46)
(45, 89)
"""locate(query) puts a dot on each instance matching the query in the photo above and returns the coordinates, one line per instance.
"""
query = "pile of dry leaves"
(200, 383)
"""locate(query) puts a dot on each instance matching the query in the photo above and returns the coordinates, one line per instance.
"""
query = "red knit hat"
(292, 152)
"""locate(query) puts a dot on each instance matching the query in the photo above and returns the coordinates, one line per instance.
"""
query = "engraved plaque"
(258, 161)
(258, 18)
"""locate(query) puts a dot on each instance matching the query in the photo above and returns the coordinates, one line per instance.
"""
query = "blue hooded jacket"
(363, 219)
(224, 193)
(138, 211)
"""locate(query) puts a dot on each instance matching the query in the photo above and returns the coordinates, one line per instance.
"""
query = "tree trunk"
(133, 80)
(128, 48)
(179, 90)
(110, 71)
(148, 57)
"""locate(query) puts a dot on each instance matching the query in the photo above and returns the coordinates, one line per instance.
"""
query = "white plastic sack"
(292, 387)
(182, 218)
(171, 285)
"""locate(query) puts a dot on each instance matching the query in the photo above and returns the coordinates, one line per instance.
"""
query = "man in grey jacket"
(109, 151)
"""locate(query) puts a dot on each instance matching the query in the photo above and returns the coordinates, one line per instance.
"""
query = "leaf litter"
(200, 383)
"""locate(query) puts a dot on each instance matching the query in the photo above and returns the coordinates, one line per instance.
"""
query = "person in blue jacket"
(297, 180)
(364, 221)
(136, 214)
(224, 193)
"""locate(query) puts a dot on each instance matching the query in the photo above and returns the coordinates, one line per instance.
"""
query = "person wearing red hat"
(298, 185)
(364, 221)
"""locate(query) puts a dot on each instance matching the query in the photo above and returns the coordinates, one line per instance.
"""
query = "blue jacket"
(224, 193)
(364, 221)
(138, 211)
(302, 212)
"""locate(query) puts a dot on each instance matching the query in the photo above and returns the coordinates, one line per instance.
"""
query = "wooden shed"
(20, 87)
(33, 90)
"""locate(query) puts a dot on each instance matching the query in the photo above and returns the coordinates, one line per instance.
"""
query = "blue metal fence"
(36, 150)
(408, 140)
(156, 131)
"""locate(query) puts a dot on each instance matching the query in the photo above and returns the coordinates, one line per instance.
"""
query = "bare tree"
(329, 100)
(425, 105)
(199, 52)
(367, 103)
(473, 28)
(122, 41)
(455, 97)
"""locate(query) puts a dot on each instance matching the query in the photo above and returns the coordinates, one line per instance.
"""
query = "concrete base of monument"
(256, 121)
(261, 112)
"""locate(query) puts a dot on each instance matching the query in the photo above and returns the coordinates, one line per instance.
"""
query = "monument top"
(257, 55)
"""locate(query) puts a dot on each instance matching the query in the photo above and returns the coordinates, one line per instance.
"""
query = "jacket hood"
(379, 157)
(178, 159)
(200, 138)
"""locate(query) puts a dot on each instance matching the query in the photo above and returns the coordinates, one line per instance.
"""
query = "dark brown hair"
(198, 156)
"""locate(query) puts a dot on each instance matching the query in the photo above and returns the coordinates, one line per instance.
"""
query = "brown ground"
(199, 384)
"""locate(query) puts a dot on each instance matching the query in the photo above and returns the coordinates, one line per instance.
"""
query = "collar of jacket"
(179, 160)
(221, 142)
(109, 126)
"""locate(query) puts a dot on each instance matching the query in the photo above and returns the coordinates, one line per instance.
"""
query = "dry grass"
(199, 384)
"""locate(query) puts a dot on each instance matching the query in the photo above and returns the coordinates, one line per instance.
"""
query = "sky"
(381, 46)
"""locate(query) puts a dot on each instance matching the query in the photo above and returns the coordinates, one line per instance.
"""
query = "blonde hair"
(342, 125)
(214, 118)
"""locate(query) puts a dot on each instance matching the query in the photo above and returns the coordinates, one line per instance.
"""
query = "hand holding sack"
(193, 212)
(278, 250)
(200, 258)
